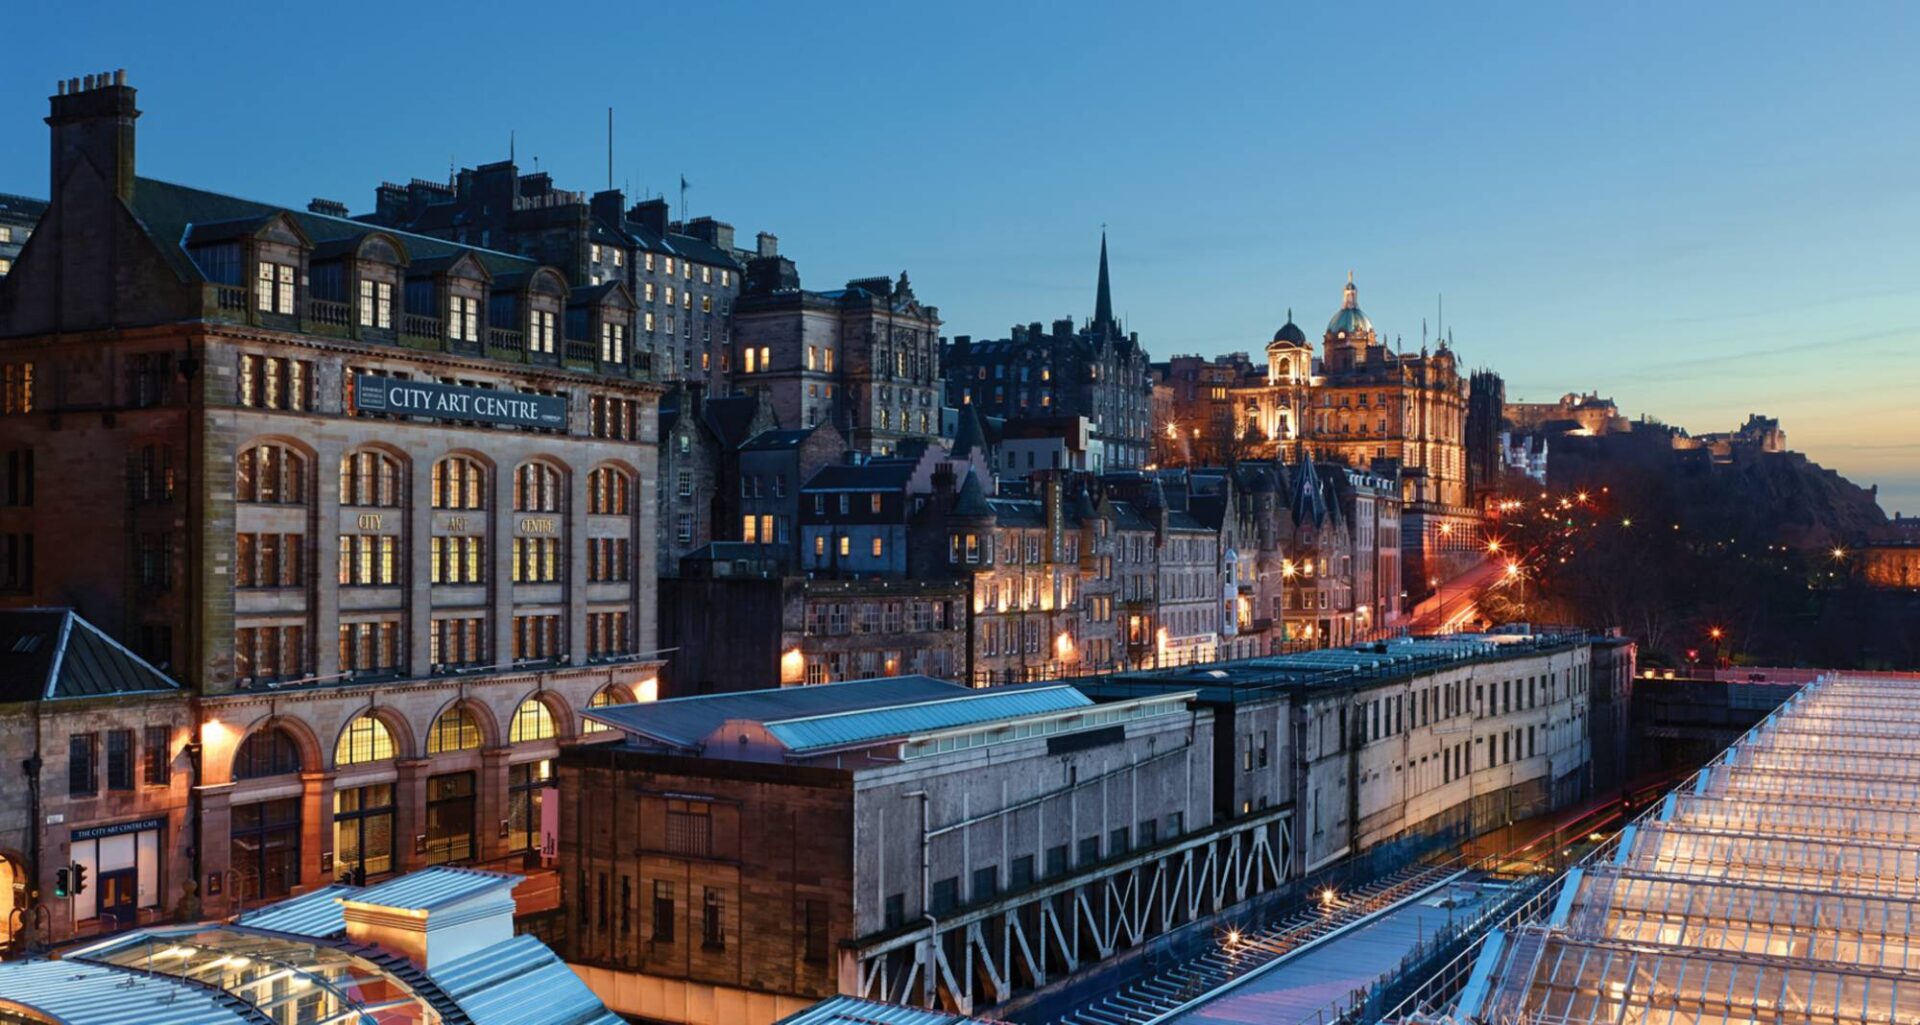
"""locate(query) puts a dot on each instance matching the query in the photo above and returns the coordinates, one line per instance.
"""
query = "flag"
(683, 183)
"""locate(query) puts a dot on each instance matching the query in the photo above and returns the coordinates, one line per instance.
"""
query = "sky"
(1700, 210)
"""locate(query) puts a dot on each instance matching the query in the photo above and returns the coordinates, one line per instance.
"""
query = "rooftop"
(50, 654)
(1776, 885)
(248, 971)
(854, 1011)
(1250, 679)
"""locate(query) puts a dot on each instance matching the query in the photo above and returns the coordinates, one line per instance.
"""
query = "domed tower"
(1289, 360)
(1349, 333)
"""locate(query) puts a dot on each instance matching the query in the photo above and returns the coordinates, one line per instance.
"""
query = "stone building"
(103, 741)
(384, 502)
(779, 839)
(1360, 403)
(685, 277)
(864, 358)
(1098, 371)
(18, 216)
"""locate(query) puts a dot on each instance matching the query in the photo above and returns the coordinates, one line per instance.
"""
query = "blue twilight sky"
(1700, 210)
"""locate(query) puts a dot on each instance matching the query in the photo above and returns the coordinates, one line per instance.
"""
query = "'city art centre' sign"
(425, 398)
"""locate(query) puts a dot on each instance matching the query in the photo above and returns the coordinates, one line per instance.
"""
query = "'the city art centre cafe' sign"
(447, 402)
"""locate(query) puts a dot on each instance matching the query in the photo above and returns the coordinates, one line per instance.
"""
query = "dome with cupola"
(1349, 323)
(1289, 334)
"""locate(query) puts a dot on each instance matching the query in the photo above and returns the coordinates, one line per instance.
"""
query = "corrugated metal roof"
(854, 1011)
(79, 993)
(685, 722)
(904, 720)
(433, 887)
(521, 982)
(315, 914)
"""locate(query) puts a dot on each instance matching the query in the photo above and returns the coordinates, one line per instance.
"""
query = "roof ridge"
(975, 693)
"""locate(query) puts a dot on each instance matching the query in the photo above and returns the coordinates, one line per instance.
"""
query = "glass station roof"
(286, 979)
(1781, 885)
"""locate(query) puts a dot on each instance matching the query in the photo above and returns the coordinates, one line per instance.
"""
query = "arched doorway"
(13, 900)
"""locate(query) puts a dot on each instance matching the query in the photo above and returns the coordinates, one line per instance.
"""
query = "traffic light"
(79, 879)
(60, 882)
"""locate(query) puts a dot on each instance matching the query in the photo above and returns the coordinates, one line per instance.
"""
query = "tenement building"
(385, 502)
(864, 358)
(684, 276)
(18, 215)
(1098, 371)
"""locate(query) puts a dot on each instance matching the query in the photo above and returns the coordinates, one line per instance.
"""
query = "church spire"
(1103, 296)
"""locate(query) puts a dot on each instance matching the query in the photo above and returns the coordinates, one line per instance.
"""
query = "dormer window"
(274, 287)
(463, 319)
(376, 304)
(613, 343)
(541, 337)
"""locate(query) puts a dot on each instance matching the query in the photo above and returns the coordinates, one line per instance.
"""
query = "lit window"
(455, 730)
(879, 548)
(846, 545)
(531, 721)
(365, 739)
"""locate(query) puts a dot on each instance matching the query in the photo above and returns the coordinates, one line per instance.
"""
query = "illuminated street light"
(1839, 553)
(1493, 546)
(1513, 570)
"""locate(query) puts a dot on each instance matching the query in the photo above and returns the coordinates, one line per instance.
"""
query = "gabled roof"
(731, 417)
(778, 440)
(50, 654)
(315, 913)
(685, 722)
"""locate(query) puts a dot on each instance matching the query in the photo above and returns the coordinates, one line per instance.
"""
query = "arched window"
(365, 739)
(268, 752)
(609, 491)
(369, 478)
(536, 488)
(459, 483)
(603, 698)
(455, 730)
(270, 473)
(533, 720)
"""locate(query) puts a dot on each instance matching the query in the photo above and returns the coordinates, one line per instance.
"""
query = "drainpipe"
(929, 983)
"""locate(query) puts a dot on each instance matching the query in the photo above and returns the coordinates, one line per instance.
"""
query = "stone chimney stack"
(92, 121)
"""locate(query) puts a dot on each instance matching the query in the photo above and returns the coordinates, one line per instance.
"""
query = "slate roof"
(879, 475)
(777, 440)
(171, 213)
(50, 654)
(685, 722)
(22, 206)
(730, 417)
(972, 502)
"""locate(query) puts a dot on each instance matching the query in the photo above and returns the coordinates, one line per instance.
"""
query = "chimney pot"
(120, 77)
(89, 83)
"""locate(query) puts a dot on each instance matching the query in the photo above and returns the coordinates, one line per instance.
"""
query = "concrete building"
(795, 844)
(18, 217)
(383, 502)
(434, 946)
(865, 358)
(1097, 371)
